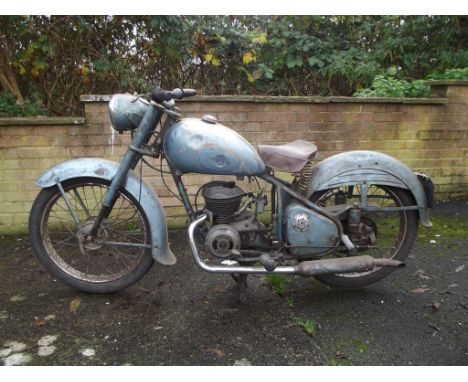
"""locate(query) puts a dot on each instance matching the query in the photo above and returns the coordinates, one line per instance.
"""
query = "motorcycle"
(348, 220)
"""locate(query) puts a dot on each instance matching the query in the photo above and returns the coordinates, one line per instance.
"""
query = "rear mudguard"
(105, 169)
(368, 167)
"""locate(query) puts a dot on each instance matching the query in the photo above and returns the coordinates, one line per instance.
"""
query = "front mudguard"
(106, 169)
(368, 167)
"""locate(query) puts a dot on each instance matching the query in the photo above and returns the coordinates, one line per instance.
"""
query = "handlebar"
(160, 95)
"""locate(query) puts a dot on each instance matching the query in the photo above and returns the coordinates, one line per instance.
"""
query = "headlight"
(126, 112)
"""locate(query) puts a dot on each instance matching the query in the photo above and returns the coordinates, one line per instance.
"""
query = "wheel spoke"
(81, 203)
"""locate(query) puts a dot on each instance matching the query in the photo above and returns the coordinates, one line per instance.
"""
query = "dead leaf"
(40, 323)
(18, 298)
(74, 304)
(421, 275)
(420, 290)
(216, 352)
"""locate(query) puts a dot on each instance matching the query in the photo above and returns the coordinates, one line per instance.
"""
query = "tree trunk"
(7, 77)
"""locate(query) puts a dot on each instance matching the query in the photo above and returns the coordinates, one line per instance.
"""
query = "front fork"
(129, 161)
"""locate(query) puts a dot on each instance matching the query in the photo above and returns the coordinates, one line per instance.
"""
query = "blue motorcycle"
(348, 220)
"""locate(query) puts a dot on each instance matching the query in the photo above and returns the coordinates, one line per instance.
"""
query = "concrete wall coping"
(447, 82)
(90, 98)
(32, 121)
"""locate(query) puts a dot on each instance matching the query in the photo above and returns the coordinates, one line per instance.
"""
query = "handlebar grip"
(182, 93)
(178, 93)
(189, 92)
(159, 95)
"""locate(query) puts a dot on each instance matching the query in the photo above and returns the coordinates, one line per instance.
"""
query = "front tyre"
(116, 258)
(392, 234)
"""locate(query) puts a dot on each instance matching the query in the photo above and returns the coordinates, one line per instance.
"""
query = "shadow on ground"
(182, 316)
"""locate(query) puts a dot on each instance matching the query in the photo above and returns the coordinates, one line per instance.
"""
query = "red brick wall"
(428, 135)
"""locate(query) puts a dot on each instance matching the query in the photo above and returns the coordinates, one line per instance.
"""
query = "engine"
(235, 226)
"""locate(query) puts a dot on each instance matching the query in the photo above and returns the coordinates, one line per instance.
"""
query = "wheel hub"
(367, 234)
(87, 242)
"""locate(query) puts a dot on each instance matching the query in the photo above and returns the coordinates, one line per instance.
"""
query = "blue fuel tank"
(194, 145)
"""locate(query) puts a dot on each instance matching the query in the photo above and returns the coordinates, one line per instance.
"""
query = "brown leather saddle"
(290, 157)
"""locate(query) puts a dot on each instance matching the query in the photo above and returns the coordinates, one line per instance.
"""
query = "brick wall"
(427, 134)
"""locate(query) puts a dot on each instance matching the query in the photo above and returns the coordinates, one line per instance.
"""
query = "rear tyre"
(119, 256)
(395, 232)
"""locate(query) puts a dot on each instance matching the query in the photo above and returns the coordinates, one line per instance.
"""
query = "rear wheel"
(116, 258)
(382, 234)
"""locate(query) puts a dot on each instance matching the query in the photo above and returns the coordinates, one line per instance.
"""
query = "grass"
(443, 228)
(290, 302)
(132, 226)
(309, 326)
(279, 283)
(361, 347)
(340, 362)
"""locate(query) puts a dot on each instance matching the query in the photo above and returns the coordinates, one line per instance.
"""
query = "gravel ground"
(181, 315)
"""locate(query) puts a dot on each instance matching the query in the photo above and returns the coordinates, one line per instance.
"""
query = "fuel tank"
(202, 146)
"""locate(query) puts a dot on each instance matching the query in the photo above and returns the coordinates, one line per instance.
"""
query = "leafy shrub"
(450, 74)
(57, 58)
(9, 108)
(388, 86)
(417, 88)
(383, 86)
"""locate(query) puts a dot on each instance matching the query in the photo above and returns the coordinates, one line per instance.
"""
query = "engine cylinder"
(223, 200)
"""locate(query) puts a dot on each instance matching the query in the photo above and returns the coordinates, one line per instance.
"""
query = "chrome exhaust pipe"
(306, 268)
(344, 265)
(230, 269)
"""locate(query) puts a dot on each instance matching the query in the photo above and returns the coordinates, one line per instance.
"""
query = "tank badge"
(301, 222)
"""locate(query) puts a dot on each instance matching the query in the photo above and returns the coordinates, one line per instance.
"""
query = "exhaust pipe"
(344, 265)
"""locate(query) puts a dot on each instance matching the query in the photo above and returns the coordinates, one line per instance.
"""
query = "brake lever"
(164, 106)
(168, 104)
(169, 112)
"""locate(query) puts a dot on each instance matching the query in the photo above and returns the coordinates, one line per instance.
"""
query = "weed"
(340, 362)
(309, 326)
(290, 302)
(132, 227)
(444, 228)
(360, 346)
(388, 86)
(278, 282)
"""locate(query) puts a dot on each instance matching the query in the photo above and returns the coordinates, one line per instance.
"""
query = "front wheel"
(383, 233)
(59, 224)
